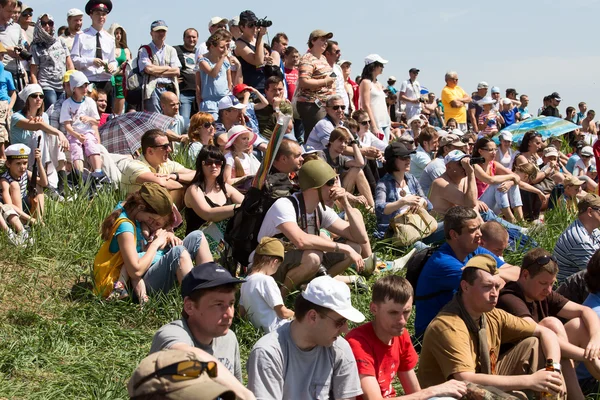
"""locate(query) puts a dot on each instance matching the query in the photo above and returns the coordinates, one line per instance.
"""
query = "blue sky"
(535, 46)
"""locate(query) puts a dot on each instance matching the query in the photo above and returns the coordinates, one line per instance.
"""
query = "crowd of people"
(442, 177)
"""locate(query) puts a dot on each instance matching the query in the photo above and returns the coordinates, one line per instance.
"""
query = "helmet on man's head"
(315, 174)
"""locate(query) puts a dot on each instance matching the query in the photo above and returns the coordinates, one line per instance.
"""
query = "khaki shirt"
(140, 166)
(449, 348)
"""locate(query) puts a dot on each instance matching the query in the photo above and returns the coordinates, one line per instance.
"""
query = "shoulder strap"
(118, 222)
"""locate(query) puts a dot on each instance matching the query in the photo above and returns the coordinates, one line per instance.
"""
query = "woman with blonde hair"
(200, 133)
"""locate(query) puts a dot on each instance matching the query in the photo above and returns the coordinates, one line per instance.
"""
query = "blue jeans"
(188, 104)
(162, 275)
(497, 200)
(153, 103)
(491, 216)
(50, 97)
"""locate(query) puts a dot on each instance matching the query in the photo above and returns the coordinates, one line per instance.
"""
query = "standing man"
(333, 54)
(214, 25)
(93, 51)
(186, 53)
(474, 108)
(12, 36)
(74, 22)
(383, 349)
(454, 99)
(26, 22)
(552, 109)
(350, 85)
(410, 94)
(496, 97)
(581, 114)
(308, 358)
(523, 109)
(162, 68)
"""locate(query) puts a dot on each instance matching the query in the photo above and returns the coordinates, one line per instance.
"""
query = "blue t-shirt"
(141, 242)
(7, 84)
(441, 272)
(572, 161)
(593, 302)
(509, 116)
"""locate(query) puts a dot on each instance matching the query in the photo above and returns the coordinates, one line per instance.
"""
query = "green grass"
(58, 341)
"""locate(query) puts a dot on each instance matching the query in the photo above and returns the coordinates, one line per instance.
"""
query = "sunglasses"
(165, 146)
(47, 23)
(207, 125)
(338, 108)
(183, 371)
(331, 182)
(337, 323)
(365, 123)
(582, 156)
(210, 162)
(491, 150)
(37, 96)
(544, 260)
(27, 14)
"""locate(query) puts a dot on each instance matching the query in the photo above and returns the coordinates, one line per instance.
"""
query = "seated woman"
(200, 133)
(159, 263)
(240, 161)
(348, 168)
(209, 198)
(399, 190)
(497, 186)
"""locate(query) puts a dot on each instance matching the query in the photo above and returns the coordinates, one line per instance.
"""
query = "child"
(240, 161)
(11, 215)
(494, 237)
(13, 182)
(260, 298)
(8, 97)
(80, 115)
(243, 92)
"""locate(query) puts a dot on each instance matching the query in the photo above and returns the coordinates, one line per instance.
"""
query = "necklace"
(402, 191)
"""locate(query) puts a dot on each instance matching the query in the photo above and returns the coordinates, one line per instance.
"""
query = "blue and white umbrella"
(545, 126)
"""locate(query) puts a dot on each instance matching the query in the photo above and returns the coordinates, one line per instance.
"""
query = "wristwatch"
(176, 176)
(354, 141)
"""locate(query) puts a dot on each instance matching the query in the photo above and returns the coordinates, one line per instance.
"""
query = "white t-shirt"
(73, 111)
(371, 140)
(580, 166)
(249, 162)
(340, 88)
(259, 295)
(507, 159)
(283, 211)
(412, 91)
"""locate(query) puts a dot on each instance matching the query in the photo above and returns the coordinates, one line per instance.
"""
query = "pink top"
(482, 186)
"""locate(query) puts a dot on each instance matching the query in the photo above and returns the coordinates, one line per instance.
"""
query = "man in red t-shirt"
(383, 348)
(290, 65)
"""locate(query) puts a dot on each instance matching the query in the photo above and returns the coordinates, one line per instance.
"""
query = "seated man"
(531, 298)
(383, 348)
(267, 116)
(580, 240)
(319, 136)
(570, 197)
(494, 238)
(208, 292)
(440, 276)
(451, 350)
(436, 167)
(154, 165)
(307, 358)
(169, 104)
(299, 220)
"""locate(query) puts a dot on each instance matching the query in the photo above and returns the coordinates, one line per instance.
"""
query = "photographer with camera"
(250, 49)
(14, 40)
(410, 94)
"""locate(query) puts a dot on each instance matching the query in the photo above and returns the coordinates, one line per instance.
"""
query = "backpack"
(242, 229)
(415, 266)
(133, 78)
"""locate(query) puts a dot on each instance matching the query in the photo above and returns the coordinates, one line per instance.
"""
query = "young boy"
(13, 182)
(80, 115)
(8, 97)
(260, 298)
(383, 349)
(494, 237)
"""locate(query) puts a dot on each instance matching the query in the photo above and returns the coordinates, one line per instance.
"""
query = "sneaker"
(119, 292)
(361, 285)
(322, 271)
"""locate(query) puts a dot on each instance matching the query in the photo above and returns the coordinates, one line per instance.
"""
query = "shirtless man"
(456, 187)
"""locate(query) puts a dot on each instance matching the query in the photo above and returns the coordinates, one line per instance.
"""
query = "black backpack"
(242, 229)
(414, 267)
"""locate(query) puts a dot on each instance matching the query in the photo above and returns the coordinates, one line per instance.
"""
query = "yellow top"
(448, 95)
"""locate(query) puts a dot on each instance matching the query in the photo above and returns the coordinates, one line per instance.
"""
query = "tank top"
(253, 76)
(379, 107)
(22, 183)
(194, 221)
(482, 186)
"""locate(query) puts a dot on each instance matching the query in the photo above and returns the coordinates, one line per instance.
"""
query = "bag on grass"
(107, 265)
(406, 228)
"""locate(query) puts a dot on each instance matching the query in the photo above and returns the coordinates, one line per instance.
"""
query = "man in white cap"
(509, 112)
(26, 23)
(308, 358)
(214, 24)
(74, 22)
(410, 94)
(474, 107)
(436, 168)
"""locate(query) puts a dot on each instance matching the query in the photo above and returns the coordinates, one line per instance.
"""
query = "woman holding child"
(139, 245)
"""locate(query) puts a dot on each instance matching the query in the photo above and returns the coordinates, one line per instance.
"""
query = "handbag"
(107, 265)
(408, 227)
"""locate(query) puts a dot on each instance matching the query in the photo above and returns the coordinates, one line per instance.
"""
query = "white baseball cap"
(392, 78)
(482, 85)
(74, 12)
(457, 132)
(550, 151)
(371, 58)
(506, 101)
(230, 101)
(77, 79)
(454, 155)
(217, 20)
(327, 292)
(506, 136)
(495, 89)
(587, 151)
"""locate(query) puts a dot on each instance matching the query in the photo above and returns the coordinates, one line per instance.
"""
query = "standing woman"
(51, 59)
(93, 50)
(372, 97)
(122, 55)
(315, 83)
(250, 50)
(215, 72)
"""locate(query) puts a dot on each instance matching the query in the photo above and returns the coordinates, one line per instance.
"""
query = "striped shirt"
(574, 249)
(22, 183)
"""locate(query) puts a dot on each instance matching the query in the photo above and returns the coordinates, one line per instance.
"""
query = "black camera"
(263, 23)
(476, 160)
(23, 54)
